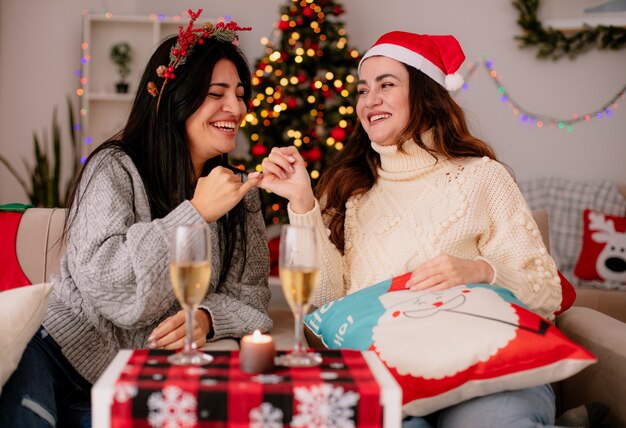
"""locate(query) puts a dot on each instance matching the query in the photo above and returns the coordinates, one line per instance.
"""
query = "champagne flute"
(190, 273)
(299, 264)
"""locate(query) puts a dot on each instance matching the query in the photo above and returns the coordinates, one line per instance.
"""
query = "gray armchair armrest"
(604, 381)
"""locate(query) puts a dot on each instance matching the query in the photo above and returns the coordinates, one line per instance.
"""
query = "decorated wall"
(533, 111)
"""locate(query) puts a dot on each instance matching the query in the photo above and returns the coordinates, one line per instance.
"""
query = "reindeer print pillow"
(449, 346)
(603, 253)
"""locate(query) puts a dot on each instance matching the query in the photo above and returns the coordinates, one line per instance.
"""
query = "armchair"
(597, 321)
(39, 250)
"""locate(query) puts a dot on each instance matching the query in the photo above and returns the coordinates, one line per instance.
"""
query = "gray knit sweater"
(114, 287)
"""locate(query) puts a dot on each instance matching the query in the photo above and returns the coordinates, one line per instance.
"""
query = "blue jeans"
(45, 390)
(524, 408)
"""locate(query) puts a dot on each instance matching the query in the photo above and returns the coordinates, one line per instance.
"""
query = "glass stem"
(298, 347)
(190, 345)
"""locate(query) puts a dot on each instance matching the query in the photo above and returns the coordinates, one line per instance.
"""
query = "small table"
(140, 386)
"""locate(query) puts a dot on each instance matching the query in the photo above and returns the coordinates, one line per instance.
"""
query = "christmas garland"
(555, 43)
(538, 119)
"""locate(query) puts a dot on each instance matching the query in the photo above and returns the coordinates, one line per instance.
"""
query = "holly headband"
(187, 39)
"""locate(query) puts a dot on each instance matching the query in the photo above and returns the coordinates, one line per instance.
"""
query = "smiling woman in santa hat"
(414, 191)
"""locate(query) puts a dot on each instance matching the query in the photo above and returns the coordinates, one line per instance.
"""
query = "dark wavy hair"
(357, 164)
(156, 141)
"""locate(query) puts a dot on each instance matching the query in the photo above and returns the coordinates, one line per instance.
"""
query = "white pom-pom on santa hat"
(453, 82)
(437, 56)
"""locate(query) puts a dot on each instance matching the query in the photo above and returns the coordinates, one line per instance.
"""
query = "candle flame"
(257, 337)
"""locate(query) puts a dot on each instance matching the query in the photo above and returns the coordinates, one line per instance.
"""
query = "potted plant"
(122, 55)
(45, 188)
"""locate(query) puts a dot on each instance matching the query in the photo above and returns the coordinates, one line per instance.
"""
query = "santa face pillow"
(449, 346)
(603, 252)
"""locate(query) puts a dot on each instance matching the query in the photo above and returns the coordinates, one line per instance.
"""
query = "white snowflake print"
(324, 406)
(124, 391)
(271, 378)
(195, 371)
(328, 375)
(172, 408)
(266, 416)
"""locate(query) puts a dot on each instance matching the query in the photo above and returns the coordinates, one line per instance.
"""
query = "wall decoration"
(538, 119)
(553, 43)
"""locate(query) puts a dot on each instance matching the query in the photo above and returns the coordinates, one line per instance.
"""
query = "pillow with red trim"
(11, 273)
(603, 252)
(568, 294)
(448, 346)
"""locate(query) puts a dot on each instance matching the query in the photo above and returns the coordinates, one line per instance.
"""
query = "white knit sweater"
(469, 208)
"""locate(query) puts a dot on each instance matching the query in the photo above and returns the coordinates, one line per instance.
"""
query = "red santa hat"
(439, 57)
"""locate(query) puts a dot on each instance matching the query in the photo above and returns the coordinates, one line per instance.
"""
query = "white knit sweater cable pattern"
(469, 208)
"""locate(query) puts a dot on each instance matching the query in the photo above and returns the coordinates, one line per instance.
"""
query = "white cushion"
(21, 312)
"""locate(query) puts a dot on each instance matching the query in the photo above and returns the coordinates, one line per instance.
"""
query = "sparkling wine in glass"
(299, 265)
(190, 273)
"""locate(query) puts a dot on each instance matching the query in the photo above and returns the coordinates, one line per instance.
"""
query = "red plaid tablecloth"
(150, 392)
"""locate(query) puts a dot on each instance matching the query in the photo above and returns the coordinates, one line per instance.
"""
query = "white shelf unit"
(105, 111)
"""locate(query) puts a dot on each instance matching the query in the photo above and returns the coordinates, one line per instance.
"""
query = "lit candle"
(257, 353)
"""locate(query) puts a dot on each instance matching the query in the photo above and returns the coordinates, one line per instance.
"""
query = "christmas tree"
(302, 92)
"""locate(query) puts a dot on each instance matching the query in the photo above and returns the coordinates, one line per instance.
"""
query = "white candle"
(257, 353)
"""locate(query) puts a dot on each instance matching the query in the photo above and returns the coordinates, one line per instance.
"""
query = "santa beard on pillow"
(445, 323)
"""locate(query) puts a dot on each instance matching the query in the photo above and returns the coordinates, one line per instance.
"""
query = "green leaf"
(42, 183)
(556, 44)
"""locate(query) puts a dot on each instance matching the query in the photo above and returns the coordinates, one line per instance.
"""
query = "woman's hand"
(446, 271)
(220, 191)
(285, 174)
(170, 334)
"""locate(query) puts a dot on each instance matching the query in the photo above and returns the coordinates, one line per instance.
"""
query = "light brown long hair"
(355, 169)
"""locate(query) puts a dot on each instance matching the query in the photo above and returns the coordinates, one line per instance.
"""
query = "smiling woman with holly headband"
(168, 166)
(414, 191)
